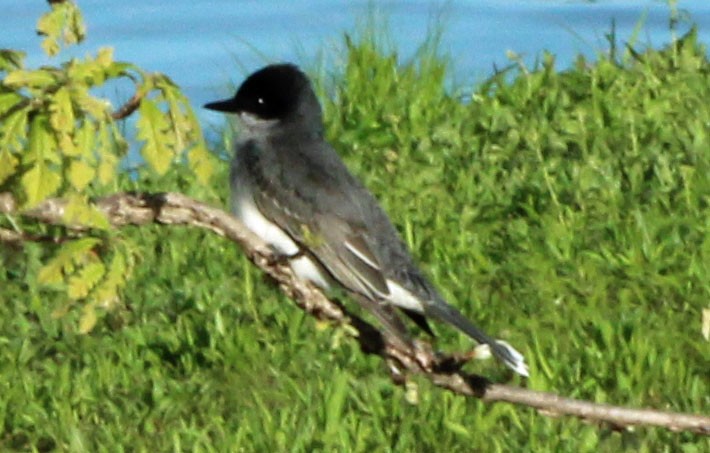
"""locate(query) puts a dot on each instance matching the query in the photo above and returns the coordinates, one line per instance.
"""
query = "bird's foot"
(424, 355)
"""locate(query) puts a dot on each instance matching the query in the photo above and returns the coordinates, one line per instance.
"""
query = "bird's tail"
(502, 350)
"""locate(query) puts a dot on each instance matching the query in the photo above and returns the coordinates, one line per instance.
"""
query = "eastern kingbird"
(291, 188)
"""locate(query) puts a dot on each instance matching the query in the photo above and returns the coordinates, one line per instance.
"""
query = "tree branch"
(128, 107)
(444, 371)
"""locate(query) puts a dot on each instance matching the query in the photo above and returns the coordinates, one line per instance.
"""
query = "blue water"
(208, 46)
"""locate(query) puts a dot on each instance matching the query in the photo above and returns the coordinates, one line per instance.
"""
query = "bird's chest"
(245, 209)
(303, 266)
(243, 186)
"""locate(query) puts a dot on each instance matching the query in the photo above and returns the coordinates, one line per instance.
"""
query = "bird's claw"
(424, 355)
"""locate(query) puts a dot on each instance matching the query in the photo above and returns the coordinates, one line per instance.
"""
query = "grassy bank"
(565, 211)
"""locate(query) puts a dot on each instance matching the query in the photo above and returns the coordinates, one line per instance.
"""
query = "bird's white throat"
(254, 126)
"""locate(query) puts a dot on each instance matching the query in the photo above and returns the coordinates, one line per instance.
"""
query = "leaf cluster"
(58, 138)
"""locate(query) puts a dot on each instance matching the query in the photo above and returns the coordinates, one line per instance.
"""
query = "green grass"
(565, 211)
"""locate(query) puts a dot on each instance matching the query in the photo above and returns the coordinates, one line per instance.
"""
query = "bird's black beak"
(226, 105)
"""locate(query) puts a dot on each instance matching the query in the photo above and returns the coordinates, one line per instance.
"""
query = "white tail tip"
(515, 362)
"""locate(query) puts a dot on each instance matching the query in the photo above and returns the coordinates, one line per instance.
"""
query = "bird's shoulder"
(308, 176)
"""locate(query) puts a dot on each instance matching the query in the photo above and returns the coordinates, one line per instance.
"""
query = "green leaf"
(185, 128)
(39, 183)
(91, 71)
(84, 138)
(61, 111)
(51, 272)
(80, 246)
(42, 144)
(200, 162)
(37, 78)
(63, 121)
(152, 128)
(64, 23)
(104, 57)
(106, 293)
(8, 164)
(120, 68)
(11, 59)
(50, 25)
(79, 284)
(88, 319)
(109, 148)
(85, 102)
(13, 131)
(76, 25)
(63, 261)
(80, 174)
(10, 100)
(107, 168)
(177, 105)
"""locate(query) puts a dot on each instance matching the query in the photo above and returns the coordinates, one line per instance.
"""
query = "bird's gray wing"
(336, 238)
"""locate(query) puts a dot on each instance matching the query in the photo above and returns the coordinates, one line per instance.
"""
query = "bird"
(291, 188)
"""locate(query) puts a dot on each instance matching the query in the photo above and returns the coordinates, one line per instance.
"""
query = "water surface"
(209, 45)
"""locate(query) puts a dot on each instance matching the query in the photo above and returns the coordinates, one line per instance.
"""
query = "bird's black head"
(275, 92)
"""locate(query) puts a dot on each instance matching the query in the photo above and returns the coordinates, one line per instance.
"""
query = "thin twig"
(128, 107)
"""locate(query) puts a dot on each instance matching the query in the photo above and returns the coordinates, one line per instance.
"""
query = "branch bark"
(444, 371)
(128, 107)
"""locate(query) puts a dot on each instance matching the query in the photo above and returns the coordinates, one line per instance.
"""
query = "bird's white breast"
(246, 211)
(303, 266)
